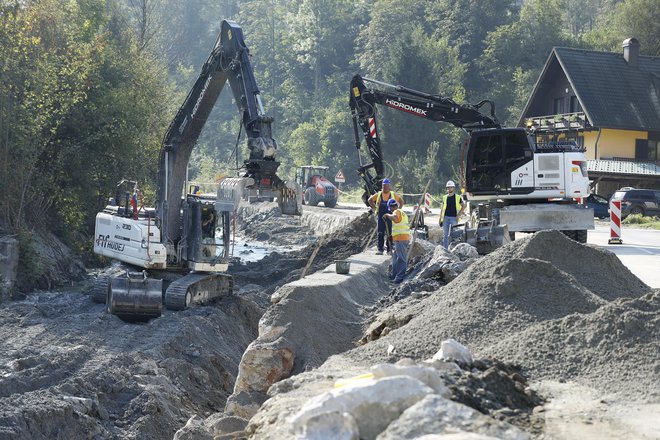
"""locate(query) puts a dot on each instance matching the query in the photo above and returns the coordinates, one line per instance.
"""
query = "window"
(575, 105)
(515, 145)
(559, 106)
(647, 150)
(652, 151)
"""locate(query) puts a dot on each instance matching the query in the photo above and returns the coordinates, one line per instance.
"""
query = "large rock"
(435, 415)
(194, 430)
(223, 425)
(244, 404)
(373, 404)
(263, 364)
(440, 258)
(464, 251)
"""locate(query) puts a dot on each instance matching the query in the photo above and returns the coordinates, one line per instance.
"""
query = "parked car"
(599, 204)
(638, 201)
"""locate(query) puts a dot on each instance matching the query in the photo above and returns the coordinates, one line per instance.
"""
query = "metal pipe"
(596, 145)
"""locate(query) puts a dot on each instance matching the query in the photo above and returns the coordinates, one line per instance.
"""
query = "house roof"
(621, 167)
(612, 93)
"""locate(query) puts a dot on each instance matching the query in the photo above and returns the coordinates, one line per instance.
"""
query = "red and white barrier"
(427, 203)
(615, 222)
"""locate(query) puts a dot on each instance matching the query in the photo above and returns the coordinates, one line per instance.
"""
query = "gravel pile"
(550, 304)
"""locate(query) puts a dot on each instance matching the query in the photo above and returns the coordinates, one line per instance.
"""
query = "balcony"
(563, 122)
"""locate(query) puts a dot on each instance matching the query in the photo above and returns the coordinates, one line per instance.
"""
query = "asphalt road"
(640, 251)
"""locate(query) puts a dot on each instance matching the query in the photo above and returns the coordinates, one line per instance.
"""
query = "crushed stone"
(552, 305)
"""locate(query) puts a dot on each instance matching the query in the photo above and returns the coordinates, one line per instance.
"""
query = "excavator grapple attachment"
(289, 199)
(134, 297)
(231, 191)
(486, 236)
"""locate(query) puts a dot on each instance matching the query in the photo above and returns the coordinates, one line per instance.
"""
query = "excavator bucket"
(134, 297)
(289, 199)
(486, 237)
(231, 191)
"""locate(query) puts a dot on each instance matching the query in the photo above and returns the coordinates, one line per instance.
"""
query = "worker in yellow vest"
(378, 203)
(452, 209)
(400, 239)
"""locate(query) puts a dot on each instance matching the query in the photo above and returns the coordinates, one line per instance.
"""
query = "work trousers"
(399, 260)
(446, 223)
(384, 229)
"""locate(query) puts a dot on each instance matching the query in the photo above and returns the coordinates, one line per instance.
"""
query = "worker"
(208, 224)
(400, 239)
(452, 209)
(378, 203)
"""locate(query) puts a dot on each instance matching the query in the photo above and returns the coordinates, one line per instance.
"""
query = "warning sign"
(340, 178)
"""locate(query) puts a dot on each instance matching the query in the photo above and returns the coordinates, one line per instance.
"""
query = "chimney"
(631, 51)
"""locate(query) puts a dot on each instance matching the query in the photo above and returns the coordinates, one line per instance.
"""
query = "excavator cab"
(206, 234)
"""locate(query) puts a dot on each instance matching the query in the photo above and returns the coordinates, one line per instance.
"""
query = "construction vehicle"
(179, 235)
(316, 186)
(520, 185)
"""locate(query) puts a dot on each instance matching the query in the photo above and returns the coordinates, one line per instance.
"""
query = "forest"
(89, 87)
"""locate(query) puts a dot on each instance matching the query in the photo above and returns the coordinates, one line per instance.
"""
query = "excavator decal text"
(105, 242)
(201, 95)
(405, 107)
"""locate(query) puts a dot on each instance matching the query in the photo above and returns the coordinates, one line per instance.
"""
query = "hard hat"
(451, 184)
(392, 202)
(386, 181)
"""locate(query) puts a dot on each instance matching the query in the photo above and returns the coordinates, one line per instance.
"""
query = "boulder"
(263, 364)
(373, 404)
(440, 258)
(334, 425)
(427, 375)
(222, 424)
(437, 417)
(194, 429)
(244, 404)
(464, 251)
(452, 350)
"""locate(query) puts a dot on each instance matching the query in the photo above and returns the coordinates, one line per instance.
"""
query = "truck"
(316, 186)
(178, 240)
(519, 183)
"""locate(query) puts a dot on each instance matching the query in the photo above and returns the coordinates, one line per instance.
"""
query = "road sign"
(340, 178)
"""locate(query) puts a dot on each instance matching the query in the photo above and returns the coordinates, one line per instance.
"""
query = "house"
(609, 103)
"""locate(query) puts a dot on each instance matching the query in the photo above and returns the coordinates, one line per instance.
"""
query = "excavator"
(520, 184)
(176, 241)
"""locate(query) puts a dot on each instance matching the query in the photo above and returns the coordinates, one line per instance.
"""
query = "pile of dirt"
(500, 390)
(546, 302)
(265, 223)
(69, 370)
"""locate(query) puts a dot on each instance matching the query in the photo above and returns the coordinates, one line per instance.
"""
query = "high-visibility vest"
(400, 228)
(457, 198)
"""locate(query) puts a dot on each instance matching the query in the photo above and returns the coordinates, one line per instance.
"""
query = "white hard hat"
(450, 183)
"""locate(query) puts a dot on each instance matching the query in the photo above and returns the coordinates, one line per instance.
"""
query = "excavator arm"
(228, 61)
(363, 102)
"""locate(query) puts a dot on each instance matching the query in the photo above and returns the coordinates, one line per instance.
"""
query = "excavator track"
(100, 289)
(197, 288)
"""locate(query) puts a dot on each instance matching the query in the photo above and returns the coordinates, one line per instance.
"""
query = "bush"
(639, 219)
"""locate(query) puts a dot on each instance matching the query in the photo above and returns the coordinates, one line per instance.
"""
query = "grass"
(641, 221)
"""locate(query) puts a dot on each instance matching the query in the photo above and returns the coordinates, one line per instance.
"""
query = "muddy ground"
(69, 370)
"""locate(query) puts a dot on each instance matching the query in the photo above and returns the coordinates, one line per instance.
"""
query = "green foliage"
(88, 87)
(79, 110)
(642, 221)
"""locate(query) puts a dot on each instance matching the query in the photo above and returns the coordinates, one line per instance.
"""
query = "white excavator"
(184, 243)
(520, 183)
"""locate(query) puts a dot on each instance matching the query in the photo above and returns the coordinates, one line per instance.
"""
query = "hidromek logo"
(405, 107)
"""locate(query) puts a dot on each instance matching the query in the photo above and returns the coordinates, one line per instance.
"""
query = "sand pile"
(545, 302)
